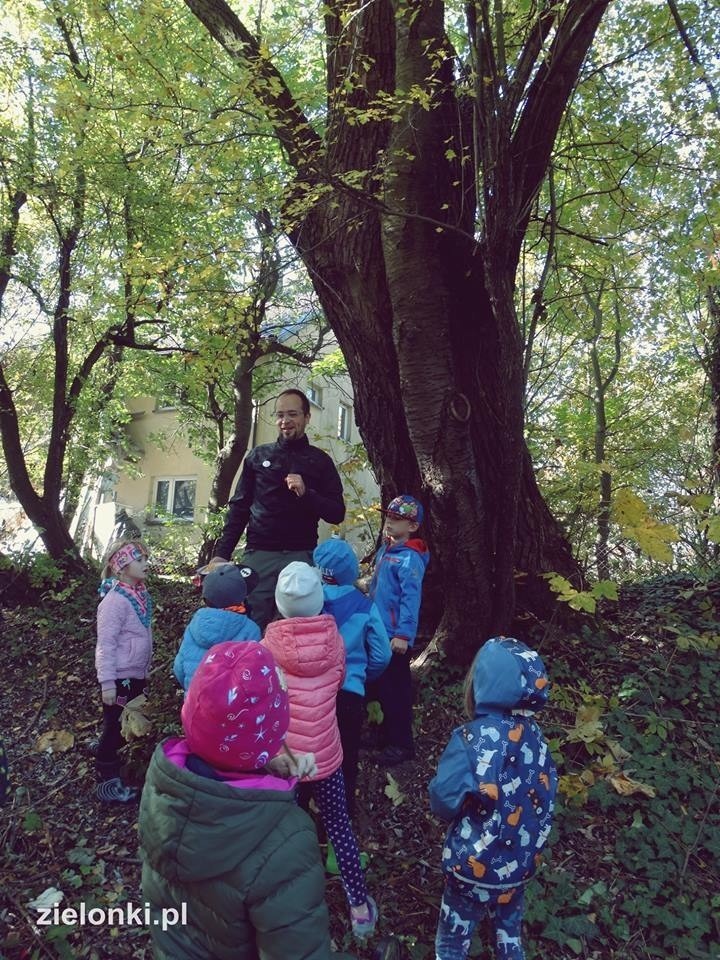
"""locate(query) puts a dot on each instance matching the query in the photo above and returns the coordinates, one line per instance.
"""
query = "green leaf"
(712, 528)
(374, 712)
(393, 792)
(605, 588)
(32, 821)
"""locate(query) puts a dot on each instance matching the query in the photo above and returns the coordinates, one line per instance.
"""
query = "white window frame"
(169, 516)
(345, 422)
(315, 395)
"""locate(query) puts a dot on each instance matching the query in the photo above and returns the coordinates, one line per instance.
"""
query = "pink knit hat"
(236, 714)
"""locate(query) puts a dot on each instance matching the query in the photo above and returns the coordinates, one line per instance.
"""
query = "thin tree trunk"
(713, 371)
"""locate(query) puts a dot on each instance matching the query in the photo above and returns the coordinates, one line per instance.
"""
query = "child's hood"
(185, 821)
(304, 646)
(210, 625)
(509, 676)
(337, 562)
(416, 544)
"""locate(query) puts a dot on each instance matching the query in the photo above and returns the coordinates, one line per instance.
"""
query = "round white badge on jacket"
(266, 463)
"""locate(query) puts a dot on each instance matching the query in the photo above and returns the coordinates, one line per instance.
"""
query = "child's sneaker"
(390, 948)
(115, 791)
(364, 919)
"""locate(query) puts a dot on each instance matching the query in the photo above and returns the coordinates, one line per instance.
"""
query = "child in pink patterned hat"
(122, 656)
(222, 838)
(236, 719)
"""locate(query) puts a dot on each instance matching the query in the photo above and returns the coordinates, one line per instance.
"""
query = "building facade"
(160, 488)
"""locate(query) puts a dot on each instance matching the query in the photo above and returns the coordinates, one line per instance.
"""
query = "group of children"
(271, 722)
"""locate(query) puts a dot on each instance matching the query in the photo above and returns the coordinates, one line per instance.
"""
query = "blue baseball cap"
(405, 507)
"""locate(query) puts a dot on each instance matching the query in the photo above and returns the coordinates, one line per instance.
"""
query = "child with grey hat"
(224, 617)
(307, 646)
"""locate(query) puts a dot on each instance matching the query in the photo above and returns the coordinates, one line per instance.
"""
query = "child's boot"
(364, 919)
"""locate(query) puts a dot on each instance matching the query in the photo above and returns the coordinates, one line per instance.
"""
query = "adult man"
(284, 489)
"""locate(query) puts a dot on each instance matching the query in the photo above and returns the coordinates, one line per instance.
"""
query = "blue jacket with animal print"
(496, 780)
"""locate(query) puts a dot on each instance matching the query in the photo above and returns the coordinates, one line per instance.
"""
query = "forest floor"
(633, 869)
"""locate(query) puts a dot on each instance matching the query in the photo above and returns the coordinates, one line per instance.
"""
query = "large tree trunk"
(421, 305)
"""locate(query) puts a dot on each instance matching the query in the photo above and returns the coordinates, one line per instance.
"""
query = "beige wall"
(169, 457)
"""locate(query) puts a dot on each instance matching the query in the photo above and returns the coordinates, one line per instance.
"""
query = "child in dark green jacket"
(223, 841)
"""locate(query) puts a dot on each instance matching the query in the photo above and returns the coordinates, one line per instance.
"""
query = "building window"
(344, 421)
(174, 498)
(315, 395)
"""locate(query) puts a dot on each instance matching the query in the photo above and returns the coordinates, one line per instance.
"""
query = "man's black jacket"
(276, 518)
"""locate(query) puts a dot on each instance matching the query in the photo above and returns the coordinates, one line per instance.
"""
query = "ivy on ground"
(633, 870)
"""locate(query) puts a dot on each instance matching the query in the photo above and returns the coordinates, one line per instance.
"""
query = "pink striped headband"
(125, 555)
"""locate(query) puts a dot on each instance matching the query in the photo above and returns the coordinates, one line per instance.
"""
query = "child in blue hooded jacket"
(367, 646)
(396, 588)
(224, 617)
(496, 782)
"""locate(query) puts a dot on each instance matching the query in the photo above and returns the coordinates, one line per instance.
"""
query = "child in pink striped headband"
(122, 656)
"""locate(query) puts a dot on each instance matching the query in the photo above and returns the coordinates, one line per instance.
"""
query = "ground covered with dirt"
(633, 870)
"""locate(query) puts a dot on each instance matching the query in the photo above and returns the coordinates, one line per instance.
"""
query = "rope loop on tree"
(460, 408)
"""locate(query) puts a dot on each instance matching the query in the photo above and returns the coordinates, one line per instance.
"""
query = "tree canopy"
(508, 213)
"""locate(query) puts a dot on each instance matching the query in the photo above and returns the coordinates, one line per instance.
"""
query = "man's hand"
(109, 697)
(399, 645)
(296, 484)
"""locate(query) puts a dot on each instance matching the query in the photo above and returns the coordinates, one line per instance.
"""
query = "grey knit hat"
(299, 591)
(228, 585)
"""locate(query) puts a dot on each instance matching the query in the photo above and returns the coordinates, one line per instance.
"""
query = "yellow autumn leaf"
(576, 785)
(618, 752)
(393, 792)
(626, 786)
(588, 727)
(133, 721)
(633, 516)
(55, 741)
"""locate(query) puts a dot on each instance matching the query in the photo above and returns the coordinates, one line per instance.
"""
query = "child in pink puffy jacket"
(310, 651)
(122, 656)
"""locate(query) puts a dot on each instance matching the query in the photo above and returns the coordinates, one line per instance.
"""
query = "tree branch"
(530, 52)
(299, 139)
(270, 346)
(692, 51)
(545, 105)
